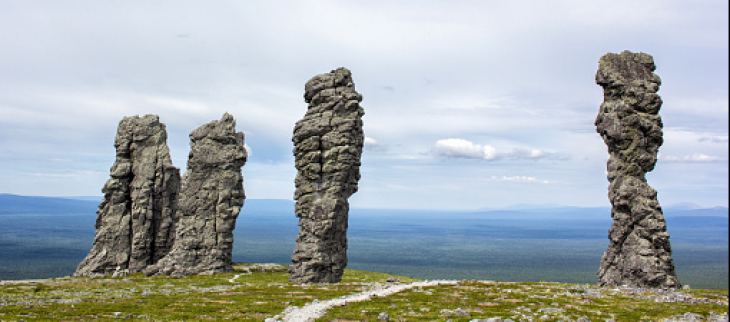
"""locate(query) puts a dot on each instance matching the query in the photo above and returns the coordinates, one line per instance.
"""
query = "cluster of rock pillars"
(152, 220)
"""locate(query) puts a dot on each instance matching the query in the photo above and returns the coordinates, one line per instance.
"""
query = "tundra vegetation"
(256, 292)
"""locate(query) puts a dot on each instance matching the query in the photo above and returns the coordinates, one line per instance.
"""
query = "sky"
(468, 104)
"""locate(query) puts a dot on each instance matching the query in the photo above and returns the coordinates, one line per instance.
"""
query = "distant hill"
(14, 204)
(86, 198)
(49, 236)
(704, 212)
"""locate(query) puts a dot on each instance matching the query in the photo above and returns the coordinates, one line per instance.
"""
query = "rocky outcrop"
(135, 222)
(210, 199)
(639, 253)
(328, 143)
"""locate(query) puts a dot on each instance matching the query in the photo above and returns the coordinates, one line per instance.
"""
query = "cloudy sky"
(469, 104)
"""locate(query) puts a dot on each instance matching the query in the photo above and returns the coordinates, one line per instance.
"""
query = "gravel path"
(233, 280)
(316, 309)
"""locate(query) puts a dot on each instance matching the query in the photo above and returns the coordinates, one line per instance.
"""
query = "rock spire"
(328, 144)
(210, 200)
(135, 222)
(639, 253)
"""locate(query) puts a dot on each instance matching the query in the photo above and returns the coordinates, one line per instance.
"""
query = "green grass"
(251, 297)
(267, 292)
(523, 301)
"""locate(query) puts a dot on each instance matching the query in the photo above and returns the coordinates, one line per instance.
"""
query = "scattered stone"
(456, 312)
(639, 253)
(383, 316)
(259, 267)
(210, 200)
(136, 218)
(551, 310)
(687, 317)
(718, 317)
(120, 273)
(328, 144)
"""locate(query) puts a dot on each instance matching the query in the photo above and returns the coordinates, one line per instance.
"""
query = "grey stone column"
(328, 144)
(211, 198)
(639, 253)
(135, 222)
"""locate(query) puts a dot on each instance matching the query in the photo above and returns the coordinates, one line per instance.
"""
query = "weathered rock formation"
(135, 222)
(328, 143)
(209, 202)
(639, 253)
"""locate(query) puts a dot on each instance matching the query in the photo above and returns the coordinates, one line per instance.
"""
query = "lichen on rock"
(639, 253)
(328, 144)
(210, 200)
(136, 218)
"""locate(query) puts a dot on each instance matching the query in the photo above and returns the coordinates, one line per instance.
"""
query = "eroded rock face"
(639, 253)
(135, 222)
(210, 200)
(328, 144)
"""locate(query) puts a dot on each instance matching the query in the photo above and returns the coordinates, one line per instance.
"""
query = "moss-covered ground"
(469, 300)
(266, 292)
(262, 293)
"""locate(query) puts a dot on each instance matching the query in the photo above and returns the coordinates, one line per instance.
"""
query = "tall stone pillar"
(639, 253)
(135, 222)
(211, 198)
(328, 144)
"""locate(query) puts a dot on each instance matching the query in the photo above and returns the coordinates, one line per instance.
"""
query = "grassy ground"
(261, 294)
(266, 292)
(529, 302)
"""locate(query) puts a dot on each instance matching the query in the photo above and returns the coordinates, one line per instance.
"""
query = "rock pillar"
(639, 253)
(328, 144)
(135, 222)
(210, 200)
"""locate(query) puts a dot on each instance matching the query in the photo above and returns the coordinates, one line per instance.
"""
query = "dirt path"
(316, 309)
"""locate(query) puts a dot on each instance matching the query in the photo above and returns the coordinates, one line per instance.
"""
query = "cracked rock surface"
(210, 200)
(328, 144)
(639, 253)
(136, 219)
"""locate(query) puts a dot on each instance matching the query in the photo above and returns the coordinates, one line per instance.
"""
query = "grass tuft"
(255, 292)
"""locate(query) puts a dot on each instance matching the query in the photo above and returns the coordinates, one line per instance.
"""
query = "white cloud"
(682, 145)
(463, 149)
(534, 153)
(248, 150)
(520, 153)
(467, 150)
(525, 179)
(694, 158)
(370, 141)
(720, 139)
(373, 144)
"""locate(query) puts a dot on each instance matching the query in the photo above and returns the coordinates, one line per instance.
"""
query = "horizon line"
(518, 206)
